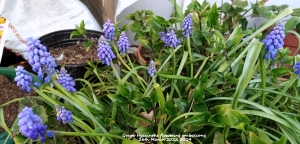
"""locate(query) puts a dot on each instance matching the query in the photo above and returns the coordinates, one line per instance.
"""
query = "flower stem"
(120, 57)
(159, 129)
(123, 62)
(190, 53)
(161, 67)
(115, 71)
(100, 79)
(198, 72)
(114, 111)
(138, 78)
(225, 133)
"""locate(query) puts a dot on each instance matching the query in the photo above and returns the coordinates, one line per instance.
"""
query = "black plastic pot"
(9, 58)
(62, 39)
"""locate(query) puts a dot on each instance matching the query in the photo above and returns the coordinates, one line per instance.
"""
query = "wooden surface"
(101, 9)
(109, 10)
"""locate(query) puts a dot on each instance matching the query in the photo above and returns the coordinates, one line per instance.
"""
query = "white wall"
(162, 8)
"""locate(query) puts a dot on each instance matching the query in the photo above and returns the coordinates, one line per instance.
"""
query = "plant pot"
(9, 58)
(292, 42)
(280, 80)
(141, 59)
(62, 39)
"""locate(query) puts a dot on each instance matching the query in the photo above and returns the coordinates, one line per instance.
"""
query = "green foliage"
(214, 83)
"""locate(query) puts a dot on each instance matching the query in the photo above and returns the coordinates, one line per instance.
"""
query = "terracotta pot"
(141, 60)
(292, 42)
(280, 80)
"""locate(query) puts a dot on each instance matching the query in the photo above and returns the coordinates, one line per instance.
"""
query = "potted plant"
(72, 51)
(204, 85)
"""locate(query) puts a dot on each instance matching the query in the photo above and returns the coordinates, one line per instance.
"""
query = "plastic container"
(9, 58)
(62, 39)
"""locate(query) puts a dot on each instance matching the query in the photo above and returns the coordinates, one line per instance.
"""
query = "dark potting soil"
(145, 54)
(75, 54)
(10, 91)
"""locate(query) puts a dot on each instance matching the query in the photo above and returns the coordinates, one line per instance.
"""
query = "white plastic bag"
(38, 17)
(3, 33)
(122, 4)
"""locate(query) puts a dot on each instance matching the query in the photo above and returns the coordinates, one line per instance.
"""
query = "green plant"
(213, 87)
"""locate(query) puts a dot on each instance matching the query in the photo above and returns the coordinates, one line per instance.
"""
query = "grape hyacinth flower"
(187, 26)
(40, 60)
(50, 134)
(109, 30)
(118, 70)
(297, 68)
(151, 68)
(23, 79)
(63, 114)
(105, 52)
(274, 41)
(123, 43)
(31, 125)
(66, 80)
(170, 39)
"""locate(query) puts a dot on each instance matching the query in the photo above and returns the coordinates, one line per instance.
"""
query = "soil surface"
(145, 54)
(10, 91)
(75, 54)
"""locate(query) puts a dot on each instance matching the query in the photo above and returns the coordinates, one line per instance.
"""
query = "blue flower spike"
(23, 79)
(31, 125)
(109, 30)
(105, 53)
(63, 114)
(66, 80)
(123, 43)
(297, 68)
(151, 68)
(187, 26)
(274, 41)
(170, 38)
(40, 60)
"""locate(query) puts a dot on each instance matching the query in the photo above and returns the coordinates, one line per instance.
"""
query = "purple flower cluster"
(105, 52)
(40, 60)
(123, 43)
(151, 68)
(187, 26)
(23, 79)
(274, 41)
(63, 114)
(31, 125)
(297, 68)
(170, 38)
(66, 80)
(109, 30)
